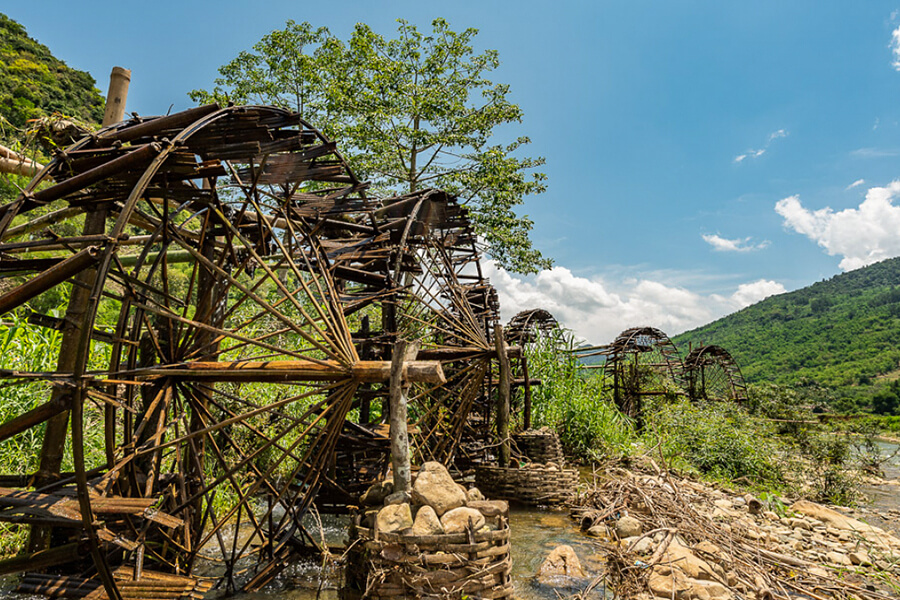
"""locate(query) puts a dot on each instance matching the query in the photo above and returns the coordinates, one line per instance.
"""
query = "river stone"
(458, 519)
(398, 498)
(561, 562)
(427, 522)
(436, 488)
(394, 518)
(837, 558)
(860, 558)
(627, 527)
(668, 583)
(377, 492)
(474, 495)
(598, 531)
(490, 508)
(643, 545)
(688, 562)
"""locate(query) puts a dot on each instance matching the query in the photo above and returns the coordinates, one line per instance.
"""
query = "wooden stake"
(502, 396)
(403, 351)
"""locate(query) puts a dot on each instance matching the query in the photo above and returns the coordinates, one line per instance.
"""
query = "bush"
(716, 439)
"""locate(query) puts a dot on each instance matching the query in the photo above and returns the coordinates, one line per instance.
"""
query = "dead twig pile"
(671, 537)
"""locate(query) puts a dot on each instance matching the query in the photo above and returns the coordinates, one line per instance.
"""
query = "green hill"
(34, 83)
(843, 333)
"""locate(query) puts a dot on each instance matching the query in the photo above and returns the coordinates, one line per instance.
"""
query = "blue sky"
(700, 154)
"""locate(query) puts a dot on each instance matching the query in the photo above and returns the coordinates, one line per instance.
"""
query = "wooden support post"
(399, 397)
(527, 410)
(57, 426)
(502, 396)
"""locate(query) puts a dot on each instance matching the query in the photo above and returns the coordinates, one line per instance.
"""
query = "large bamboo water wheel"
(222, 268)
(712, 374)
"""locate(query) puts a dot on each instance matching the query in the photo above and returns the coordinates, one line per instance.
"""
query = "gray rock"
(394, 518)
(377, 492)
(398, 498)
(434, 487)
(627, 527)
(427, 522)
(458, 519)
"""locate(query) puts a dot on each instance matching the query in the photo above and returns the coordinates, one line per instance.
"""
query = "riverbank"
(668, 536)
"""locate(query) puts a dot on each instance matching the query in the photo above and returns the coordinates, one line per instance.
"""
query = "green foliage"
(410, 112)
(841, 333)
(33, 83)
(717, 439)
(569, 400)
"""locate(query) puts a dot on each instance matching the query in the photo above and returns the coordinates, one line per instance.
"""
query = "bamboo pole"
(115, 99)
(76, 312)
(399, 398)
(365, 371)
(502, 396)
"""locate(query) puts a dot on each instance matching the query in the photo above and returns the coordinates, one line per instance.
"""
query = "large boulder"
(458, 519)
(434, 487)
(427, 522)
(394, 518)
(560, 566)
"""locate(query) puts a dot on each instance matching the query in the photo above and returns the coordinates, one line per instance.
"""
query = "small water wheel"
(712, 374)
(640, 362)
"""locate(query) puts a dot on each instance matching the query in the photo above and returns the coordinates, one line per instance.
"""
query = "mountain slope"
(34, 83)
(843, 332)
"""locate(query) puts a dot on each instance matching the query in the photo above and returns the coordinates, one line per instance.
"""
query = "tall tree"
(410, 112)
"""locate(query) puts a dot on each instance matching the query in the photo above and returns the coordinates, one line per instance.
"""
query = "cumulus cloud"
(895, 48)
(756, 153)
(856, 183)
(598, 310)
(721, 244)
(862, 235)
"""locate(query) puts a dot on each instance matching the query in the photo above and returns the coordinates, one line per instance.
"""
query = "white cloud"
(721, 244)
(856, 183)
(756, 153)
(862, 235)
(598, 310)
(895, 48)
(873, 153)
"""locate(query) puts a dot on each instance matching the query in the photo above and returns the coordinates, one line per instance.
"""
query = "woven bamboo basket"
(472, 565)
(536, 486)
(539, 445)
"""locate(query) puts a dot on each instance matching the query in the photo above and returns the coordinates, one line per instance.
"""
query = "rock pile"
(436, 505)
(439, 540)
(670, 537)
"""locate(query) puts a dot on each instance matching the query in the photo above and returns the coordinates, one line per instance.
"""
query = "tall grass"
(570, 400)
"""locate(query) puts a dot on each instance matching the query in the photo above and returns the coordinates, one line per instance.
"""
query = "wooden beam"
(365, 371)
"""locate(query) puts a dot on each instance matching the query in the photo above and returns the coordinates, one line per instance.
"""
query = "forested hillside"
(843, 333)
(34, 83)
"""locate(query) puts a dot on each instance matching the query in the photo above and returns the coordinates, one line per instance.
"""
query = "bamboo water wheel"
(712, 374)
(223, 267)
(640, 362)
